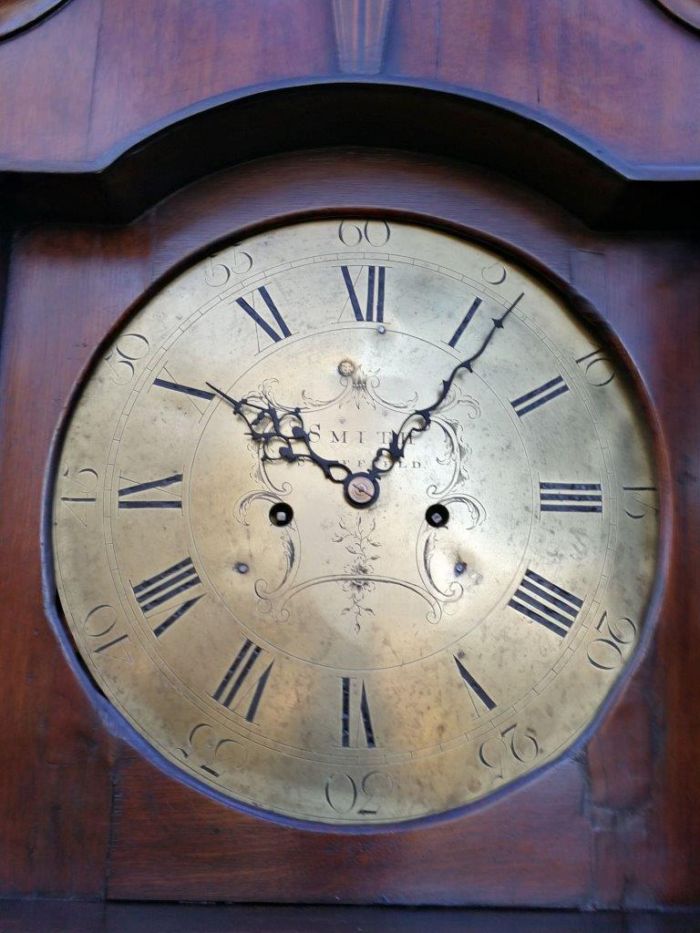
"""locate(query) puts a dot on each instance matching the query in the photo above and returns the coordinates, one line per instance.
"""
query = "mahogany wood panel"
(46, 92)
(610, 71)
(469, 129)
(21, 14)
(63, 916)
(100, 74)
(84, 814)
(55, 805)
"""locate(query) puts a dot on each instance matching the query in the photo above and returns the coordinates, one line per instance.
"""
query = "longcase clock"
(349, 452)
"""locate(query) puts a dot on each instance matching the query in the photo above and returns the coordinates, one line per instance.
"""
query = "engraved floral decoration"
(276, 425)
(357, 538)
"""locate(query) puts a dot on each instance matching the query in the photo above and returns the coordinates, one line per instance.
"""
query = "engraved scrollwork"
(288, 542)
(456, 455)
(433, 615)
(457, 450)
(427, 553)
(359, 388)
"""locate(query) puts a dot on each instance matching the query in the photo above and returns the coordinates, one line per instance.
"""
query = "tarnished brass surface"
(356, 665)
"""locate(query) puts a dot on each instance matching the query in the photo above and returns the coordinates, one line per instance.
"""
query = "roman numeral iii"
(374, 304)
(571, 497)
(541, 601)
(245, 680)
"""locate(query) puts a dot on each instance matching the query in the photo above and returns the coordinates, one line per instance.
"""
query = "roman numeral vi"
(350, 722)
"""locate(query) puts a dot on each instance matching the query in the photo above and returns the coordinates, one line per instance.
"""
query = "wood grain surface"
(63, 916)
(623, 75)
(563, 132)
(85, 814)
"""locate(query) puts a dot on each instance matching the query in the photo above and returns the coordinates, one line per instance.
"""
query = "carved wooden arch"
(485, 130)
(18, 15)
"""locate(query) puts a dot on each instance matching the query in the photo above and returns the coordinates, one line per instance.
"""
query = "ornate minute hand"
(278, 431)
(397, 447)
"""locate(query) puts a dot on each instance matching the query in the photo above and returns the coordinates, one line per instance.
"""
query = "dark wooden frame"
(104, 821)
(478, 128)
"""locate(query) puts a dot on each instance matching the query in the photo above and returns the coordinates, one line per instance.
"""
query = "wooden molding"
(17, 15)
(361, 28)
(479, 129)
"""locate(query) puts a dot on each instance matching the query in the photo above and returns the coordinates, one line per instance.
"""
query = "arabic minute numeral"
(513, 743)
(373, 232)
(217, 274)
(597, 367)
(495, 274)
(345, 794)
(101, 626)
(640, 501)
(606, 652)
(212, 753)
(81, 491)
(128, 350)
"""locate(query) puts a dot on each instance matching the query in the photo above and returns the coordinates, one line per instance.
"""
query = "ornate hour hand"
(282, 434)
(386, 458)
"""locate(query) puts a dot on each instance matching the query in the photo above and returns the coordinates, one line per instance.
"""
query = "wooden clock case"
(86, 810)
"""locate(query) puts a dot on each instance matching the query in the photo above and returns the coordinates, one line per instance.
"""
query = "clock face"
(355, 522)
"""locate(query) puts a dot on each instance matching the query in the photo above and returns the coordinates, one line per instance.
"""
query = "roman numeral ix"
(162, 587)
(539, 396)
(126, 493)
(540, 600)
(243, 675)
(571, 497)
(195, 396)
(186, 390)
(374, 304)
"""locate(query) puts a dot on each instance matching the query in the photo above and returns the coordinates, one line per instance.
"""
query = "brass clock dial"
(355, 522)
